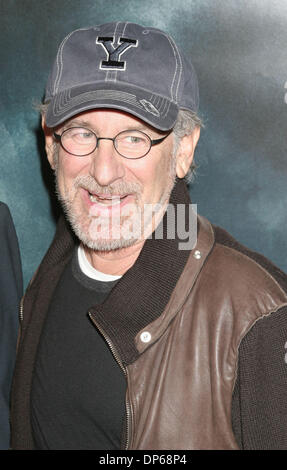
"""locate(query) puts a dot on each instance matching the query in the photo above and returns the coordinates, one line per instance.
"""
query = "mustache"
(120, 188)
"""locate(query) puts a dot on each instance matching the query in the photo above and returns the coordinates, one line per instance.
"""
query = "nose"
(106, 165)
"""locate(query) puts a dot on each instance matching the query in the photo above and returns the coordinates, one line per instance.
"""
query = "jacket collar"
(195, 262)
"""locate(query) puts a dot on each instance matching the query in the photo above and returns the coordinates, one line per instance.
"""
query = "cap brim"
(155, 110)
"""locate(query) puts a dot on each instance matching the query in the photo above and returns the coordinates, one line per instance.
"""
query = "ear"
(185, 153)
(49, 143)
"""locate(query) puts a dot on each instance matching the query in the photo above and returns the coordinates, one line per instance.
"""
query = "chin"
(105, 244)
(106, 239)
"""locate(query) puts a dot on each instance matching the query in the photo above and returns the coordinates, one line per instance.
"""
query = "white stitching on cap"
(168, 104)
(174, 46)
(107, 77)
(176, 61)
(162, 106)
(59, 58)
(65, 102)
(180, 73)
(58, 64)
(161, 103)
(113, 77)
(117, 25)
(175, 72)
(125, 27)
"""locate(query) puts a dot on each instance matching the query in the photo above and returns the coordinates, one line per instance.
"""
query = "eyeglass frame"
(58, 138)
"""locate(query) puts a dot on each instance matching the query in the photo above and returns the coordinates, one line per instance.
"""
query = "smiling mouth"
(107, 200)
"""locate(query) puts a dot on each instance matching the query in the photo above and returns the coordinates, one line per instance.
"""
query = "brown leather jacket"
(181, 366)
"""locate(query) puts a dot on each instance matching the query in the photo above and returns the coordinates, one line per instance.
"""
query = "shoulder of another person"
(4, 208)
(5, 216)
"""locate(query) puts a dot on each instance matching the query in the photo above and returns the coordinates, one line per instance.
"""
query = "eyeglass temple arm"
(158, 141)
(57, 137)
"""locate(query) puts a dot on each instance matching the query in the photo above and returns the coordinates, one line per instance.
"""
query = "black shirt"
(78, 391)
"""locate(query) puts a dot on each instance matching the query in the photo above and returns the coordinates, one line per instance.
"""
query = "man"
(10, 294)
(130, 337)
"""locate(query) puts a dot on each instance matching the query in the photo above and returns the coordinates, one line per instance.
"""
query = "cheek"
(66, 172)
(154, 174)
(155, 165)
(162, 170)
(70, 167)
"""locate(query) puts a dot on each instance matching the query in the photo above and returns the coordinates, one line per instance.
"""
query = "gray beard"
(102, 244)
(110, 244)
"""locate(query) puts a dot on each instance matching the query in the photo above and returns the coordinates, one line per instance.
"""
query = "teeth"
(113, 200)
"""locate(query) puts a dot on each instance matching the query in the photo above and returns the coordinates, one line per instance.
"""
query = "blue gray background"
(238, 48)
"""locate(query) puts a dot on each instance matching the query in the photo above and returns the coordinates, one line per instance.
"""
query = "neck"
(114, 262)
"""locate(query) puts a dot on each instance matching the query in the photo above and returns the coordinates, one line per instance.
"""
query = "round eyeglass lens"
(79, 141)
(132, 144)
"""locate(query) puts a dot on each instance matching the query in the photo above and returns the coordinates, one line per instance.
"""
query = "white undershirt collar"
(90, 271)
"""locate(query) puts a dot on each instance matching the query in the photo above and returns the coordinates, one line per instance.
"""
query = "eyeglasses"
(133, 144)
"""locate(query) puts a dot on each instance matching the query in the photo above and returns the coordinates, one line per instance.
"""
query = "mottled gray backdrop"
(239, 50)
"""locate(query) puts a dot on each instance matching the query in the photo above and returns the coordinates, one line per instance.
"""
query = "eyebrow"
(78, 123)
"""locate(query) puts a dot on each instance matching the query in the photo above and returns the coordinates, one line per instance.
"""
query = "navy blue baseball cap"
(123, 66)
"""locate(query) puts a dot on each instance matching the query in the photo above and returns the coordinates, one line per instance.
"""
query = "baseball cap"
(123, 66)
